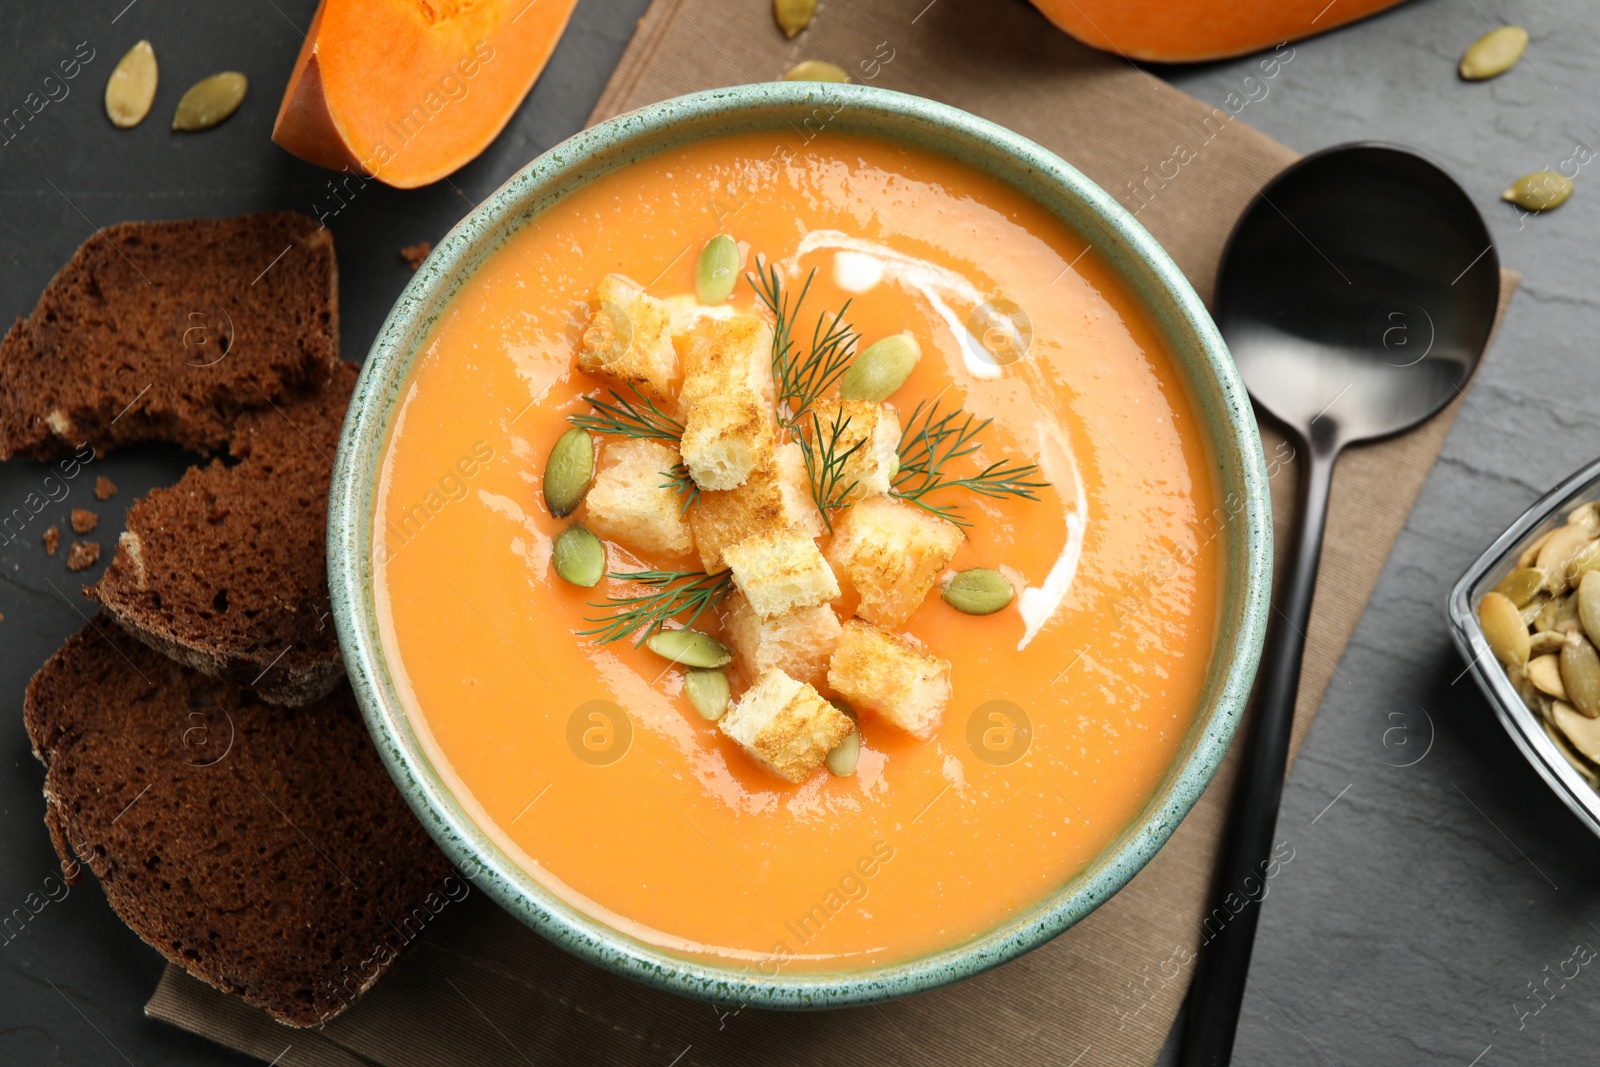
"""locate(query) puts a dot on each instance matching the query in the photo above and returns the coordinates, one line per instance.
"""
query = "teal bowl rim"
(1214, 387)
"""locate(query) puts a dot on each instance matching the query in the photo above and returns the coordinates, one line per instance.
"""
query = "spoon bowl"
(1357, 295)
(1357, 292)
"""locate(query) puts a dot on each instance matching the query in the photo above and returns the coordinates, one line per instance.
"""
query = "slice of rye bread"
(263, 849)
(226, 572)
(167, 331)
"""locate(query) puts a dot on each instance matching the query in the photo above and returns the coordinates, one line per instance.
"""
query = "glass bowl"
(1565, 774)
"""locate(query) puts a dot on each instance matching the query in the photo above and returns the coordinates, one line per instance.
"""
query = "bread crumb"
(104, 488)
(52, 541)
(84, 521)
(84, 554)
(415, 254)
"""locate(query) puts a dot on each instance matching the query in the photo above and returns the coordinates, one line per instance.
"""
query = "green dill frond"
(678, 480)
(825, 463)
(931, 441)
(802, 379)
(675, 592)
(638, 417)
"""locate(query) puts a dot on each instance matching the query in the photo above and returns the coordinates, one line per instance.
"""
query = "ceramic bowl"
(1202, 358)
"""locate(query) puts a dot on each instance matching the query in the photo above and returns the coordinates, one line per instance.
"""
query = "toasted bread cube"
(729, 426)
(893, 553)
(890, 677)
(725, 438)
(632, 502)
(786, 725)
(629, 339)
(780, 572)
(794, 486)
(776, 496)
(799, 644)
(875, 428)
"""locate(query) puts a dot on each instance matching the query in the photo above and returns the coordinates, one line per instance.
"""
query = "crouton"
(875, 428)
(633, 503)
(780, 572)
(729, 427)
(776, 496)
(799, 644)
(892, 552)
(890, 677)
(785, 725)
(725, 438)
(629, 339)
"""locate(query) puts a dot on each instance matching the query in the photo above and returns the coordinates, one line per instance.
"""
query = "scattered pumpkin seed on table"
(210, 101)
(131, 89)
(1494, 53)
(815, 70)
(1543, 190)
(793, 15)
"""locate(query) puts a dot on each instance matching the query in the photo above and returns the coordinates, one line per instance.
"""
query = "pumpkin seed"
(1583, 732)
(1580, 674)
(881, 368)
(1503, 629)
(1545, 642)
(815, 70)
(1589, 604)
(1545, 674)
(793, 15)
(1531, 554)
(708, 692)
(1533, 609)
(579, 556)
(131, 89)
(210, 101)
(842, 757)
(690, 648)
(981, 591)
(1567, 614)
(1494, 53)
(1587, 516)
(1521, 585)
(718, 270)
(1546, 619)
(1540, 191)
(568, 472)
(1555, 558)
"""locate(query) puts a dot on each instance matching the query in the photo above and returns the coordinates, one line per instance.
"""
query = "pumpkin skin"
(1187, 31)
(409, 91)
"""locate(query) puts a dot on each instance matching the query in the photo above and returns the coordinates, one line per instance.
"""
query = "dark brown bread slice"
(226, 571)
(167, 331)
(263, 849)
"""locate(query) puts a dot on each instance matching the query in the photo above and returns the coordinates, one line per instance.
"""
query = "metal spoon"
(1357, 293)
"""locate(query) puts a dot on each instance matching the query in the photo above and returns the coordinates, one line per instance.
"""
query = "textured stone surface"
(1418, 907)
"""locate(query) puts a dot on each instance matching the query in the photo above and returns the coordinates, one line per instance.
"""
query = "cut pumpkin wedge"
(409, 91)
(1187, 31)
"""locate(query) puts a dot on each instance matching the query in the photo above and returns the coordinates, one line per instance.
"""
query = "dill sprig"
(825, 463)
(678, 480)
(802, 379)
(675, 592)
(926, 449)
(629, 418)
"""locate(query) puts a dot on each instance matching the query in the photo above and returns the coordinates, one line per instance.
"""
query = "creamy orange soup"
(586, 761)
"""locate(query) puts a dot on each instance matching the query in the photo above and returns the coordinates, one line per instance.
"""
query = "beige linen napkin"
(479, 988)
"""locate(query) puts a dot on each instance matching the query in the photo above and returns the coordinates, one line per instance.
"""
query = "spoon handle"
(1246, 863)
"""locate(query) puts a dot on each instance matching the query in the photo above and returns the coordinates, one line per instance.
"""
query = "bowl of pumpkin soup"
(800, 544)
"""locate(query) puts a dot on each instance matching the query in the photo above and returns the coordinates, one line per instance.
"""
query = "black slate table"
(1428, 905)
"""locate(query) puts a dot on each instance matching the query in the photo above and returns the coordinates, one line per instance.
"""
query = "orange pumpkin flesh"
(408, 91)
(1186, 31)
